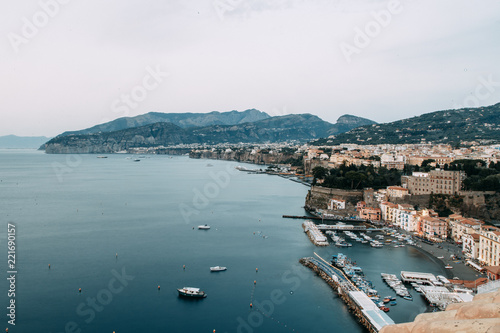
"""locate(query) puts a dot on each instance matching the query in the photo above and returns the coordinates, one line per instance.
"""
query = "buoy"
(251, 305)
(49, 266)
(184, 266)
(79, 290)
(116, 255)
(256, 269)
(158, 287)
(254, 281)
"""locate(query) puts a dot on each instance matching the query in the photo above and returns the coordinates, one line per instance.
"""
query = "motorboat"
(218, 269)
(204, 227)
(191, 292)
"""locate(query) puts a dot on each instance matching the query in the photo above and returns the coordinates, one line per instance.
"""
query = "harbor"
(361, 306)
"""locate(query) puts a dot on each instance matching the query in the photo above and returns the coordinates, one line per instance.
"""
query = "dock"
(367, 312)
(343, 227)
(314, 234)
(326, 218)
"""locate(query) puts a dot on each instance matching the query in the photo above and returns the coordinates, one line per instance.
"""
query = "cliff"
(482, 315)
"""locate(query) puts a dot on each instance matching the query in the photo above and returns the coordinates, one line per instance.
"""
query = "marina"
(363, 308)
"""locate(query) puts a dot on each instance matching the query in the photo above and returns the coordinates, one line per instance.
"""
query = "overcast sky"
(72, 64)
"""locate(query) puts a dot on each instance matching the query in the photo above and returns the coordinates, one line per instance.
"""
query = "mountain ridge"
(447, 126)
(183, 120)
(293, 127)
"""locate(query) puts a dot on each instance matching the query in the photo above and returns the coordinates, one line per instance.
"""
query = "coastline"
(460, 269)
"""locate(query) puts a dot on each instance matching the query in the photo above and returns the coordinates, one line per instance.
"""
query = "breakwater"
(358, 303)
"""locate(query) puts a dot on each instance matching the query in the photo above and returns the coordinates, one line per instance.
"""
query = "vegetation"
(450, 126)
(353, 177)
(479, 176)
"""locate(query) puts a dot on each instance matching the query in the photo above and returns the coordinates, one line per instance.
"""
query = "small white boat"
(204, 227)
(191, 292)
(448, 267)
(218, 269)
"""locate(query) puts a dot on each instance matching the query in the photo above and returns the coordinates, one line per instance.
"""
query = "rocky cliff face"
(246, 156)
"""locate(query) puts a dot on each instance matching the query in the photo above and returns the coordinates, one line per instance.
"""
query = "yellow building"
(489, 246)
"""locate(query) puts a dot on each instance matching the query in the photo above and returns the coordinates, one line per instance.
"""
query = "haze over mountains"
(22, 142)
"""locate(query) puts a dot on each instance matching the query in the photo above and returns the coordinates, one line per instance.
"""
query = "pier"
(367, 312)
(343, 227)
(326, 218)
(314, 234)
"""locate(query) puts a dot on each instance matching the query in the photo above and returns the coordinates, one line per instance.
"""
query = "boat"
(393, 303)
(137, 160)
(384, 308)
(218, 268)
(204, 227)
(102, 157)
(448, 267)
(191, 292)
(441, 257)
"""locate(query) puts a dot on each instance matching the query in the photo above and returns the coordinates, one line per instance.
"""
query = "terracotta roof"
(493, 269)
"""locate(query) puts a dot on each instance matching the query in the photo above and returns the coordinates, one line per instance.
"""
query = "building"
(470, 245)
(489, 246)
(397, 192)
(434, 228)
(436, 181)
(370, 213)
(387, 211)
(336, 204)
(493, 272)
(463, 226)
(391, 161)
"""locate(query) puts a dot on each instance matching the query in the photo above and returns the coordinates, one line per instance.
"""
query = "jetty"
(314, 234)
(324, 218)
(365, 310)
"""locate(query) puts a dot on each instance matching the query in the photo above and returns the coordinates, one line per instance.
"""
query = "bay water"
(125, 232)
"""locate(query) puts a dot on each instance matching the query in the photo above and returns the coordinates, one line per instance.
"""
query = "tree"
(319, 172)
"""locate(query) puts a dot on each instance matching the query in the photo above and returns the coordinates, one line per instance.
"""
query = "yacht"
(218, 269)
(204, 227)
(191, 292)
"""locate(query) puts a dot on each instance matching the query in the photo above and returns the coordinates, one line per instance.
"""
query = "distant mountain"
(469, 124)
(348, 122)
(300, 127)
(183, 120)
(24, 142)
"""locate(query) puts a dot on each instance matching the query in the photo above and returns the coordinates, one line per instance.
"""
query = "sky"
(72, 64)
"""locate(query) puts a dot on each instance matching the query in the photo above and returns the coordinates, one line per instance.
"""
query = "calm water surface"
(118, 229)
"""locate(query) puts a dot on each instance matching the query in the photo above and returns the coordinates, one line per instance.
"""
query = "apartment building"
(436, 181)
(489, 246)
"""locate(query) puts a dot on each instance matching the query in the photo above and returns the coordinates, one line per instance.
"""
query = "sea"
(102, 244)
